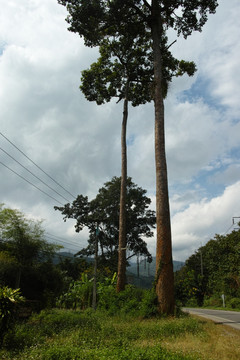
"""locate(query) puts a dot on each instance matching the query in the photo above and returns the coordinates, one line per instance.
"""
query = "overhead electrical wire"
(51, 237)
(228, 230)
(61, 238)
(56, 182)
(34, 175)
(63, 242)
(30, 183)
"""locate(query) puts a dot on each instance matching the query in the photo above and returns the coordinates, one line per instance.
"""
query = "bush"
(9, 301)
(192, 303)
(79, 295)
(234, 303)
(213, 301)
(127, 301)
(148, 306)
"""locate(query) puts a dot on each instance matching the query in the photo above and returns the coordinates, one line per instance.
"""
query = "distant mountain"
(146, 273)
(62, 255)
(148, 269)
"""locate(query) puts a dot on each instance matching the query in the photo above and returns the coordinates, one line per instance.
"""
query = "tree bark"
(164, 264)
(122, 243)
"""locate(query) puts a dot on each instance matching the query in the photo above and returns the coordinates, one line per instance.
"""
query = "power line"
(228, 230)
(34, 174)
(36, 165)
(233, 223)
(61, 238)
(31, 183)
(64, 242)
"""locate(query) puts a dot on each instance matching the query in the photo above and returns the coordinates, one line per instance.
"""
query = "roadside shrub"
(79, 295)
(192, 303)
(213, 301)
(127, 301)
(148, 306)
(234, 303)
(9, 301)
(108, 300)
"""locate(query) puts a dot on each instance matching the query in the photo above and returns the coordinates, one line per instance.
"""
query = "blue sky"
(78, 143)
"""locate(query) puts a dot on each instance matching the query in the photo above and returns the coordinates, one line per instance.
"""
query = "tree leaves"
(104, 211)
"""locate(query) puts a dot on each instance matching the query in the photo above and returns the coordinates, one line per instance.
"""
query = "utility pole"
(94, 299)
(138, 265)
(201, 259)
(234, 222)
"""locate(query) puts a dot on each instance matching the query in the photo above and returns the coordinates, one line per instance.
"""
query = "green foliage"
(26, 258)
(65, 334)
(220, 259)
(124, 302)
(78, 296)
(104, 210)
(73, 267)
(148, 306)
(132, 300)
(212, 301)
(234, 303)
(9, 301)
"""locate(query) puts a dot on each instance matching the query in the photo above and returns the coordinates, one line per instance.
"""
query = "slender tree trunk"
(94, 299)
(123, 193)
(164, 264)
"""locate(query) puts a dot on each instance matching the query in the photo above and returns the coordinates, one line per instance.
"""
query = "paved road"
(231, 318)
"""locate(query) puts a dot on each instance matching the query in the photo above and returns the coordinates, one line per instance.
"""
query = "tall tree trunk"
(122, 243)
(164, 264)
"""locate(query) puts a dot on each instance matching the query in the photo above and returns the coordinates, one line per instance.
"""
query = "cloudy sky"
(77, 143)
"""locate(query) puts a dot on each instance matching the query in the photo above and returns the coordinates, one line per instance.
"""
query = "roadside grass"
(226, 308)
(218, 342)
(73, 335)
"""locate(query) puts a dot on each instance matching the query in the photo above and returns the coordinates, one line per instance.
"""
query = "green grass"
(84, 335)
(70, 335)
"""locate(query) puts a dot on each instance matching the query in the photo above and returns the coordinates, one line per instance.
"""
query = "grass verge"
(73, 335)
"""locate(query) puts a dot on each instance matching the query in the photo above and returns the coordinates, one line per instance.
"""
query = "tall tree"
(122, 71)
(105, 210)
(95, 20)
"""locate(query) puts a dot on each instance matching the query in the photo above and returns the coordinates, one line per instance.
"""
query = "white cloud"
(201, 220)
(78, 143)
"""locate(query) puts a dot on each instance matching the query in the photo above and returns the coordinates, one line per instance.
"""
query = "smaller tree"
(103, 211)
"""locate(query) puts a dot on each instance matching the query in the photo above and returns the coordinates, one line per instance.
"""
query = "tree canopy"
(25, 256)
(212, 270)
(103, 211)
(22, 238)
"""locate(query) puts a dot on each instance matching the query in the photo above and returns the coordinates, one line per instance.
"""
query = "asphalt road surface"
(231, 318)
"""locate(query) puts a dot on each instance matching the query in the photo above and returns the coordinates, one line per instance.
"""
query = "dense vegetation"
(126, 325)
(102, 213)
(213, 271)
(73, 335)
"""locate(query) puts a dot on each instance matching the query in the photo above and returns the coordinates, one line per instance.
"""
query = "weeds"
(83, 335)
